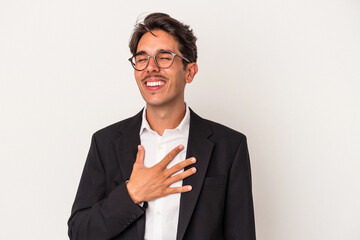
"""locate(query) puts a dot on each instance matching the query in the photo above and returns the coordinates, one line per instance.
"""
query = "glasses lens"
(164, 59)
(140, 61)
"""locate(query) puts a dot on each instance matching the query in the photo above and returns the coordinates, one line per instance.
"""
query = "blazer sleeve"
(97, 215)
(239, 211)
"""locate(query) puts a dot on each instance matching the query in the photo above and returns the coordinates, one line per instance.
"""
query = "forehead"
(152, 44)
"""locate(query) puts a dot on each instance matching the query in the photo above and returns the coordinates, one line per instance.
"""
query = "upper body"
(211, 186)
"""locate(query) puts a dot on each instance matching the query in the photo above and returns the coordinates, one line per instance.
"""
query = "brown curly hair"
(161, 21)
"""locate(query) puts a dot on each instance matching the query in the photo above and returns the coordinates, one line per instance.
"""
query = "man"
(165, 173)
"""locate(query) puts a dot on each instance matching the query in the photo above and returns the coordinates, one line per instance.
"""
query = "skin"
(165, 106)
(165, 109)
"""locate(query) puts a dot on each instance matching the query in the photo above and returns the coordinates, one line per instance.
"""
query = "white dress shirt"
(162, 214)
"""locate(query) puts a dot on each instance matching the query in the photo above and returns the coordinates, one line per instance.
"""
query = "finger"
(170, 156)
(182, 189)
(181, 165)
(181, 176)
(140, 155)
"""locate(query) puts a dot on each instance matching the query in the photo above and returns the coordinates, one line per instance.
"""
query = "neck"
(165, 117)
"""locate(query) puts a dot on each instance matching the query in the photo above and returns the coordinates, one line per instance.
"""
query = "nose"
(152, 67)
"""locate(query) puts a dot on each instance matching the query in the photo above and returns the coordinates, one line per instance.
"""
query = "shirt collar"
(183, 126)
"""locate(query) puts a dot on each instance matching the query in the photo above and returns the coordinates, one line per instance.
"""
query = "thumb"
(140, 155)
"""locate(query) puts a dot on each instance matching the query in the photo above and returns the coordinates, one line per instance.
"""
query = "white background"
(285, 73)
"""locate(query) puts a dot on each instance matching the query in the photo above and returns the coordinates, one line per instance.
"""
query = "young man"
(165, 173)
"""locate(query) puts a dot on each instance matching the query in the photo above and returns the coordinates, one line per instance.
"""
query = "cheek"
(137, 76)
(180, 79)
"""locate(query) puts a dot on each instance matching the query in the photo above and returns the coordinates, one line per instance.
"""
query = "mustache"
(154, 76)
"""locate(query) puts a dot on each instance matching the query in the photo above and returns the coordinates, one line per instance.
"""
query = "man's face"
(159, 86)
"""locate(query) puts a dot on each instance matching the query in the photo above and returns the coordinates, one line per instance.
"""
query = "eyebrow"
(159, 50)
(140, 52)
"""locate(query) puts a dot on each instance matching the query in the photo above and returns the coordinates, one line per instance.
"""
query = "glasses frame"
(154, 56)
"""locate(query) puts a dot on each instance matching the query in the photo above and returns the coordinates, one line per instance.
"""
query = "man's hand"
(146, 184)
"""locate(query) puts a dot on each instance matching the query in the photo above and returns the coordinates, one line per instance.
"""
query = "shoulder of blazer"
(216, 130)
(130, 125)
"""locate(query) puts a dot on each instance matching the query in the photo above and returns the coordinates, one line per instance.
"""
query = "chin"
(154, 103)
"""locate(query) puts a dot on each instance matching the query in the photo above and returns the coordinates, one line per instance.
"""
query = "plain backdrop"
(285, 73)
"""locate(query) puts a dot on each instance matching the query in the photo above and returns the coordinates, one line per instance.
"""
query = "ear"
(191, 71)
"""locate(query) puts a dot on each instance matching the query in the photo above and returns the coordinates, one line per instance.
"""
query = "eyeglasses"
(162, 59)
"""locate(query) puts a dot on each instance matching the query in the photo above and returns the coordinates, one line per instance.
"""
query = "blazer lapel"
(126, 144)
(126, 149)
(200, 147)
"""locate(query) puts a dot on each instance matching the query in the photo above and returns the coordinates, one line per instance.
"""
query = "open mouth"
(154, 84)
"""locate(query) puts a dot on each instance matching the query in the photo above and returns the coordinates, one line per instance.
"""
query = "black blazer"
(219, 206)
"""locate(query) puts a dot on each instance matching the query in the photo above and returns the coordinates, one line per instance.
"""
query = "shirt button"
(161, 147)
(158, 212)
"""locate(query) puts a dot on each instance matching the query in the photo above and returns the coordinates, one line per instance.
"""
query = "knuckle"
(175, 168)
(166, 159)
(167, 172)
(157, 167)
(174, 190)
(162, 192)
(163, 175)
(186, 174)
(176, 178)
(183, 164)
(175, 151)
(171, 155)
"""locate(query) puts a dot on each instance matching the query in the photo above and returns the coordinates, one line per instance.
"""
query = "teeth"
(153, 84)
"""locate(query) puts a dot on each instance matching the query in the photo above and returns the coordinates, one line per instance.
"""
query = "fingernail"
(193, 160)
(139, 148)
(189, 188)
(193, 170)
(181, 147)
